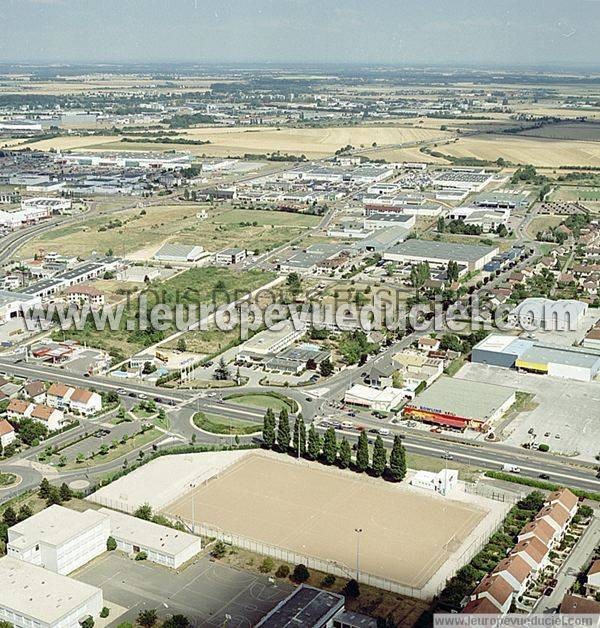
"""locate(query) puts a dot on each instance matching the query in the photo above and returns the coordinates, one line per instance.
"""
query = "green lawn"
(217, 424)
(264, 401)
(6, 479)
(195, 286)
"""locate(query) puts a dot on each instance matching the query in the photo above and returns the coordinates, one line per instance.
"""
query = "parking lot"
(566, 415)
(207, 593)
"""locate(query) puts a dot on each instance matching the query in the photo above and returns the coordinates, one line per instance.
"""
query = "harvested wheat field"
(527, 150)
(313, 511)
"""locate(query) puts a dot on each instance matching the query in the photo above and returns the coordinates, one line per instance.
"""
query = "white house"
(7, 433)
(85, 401)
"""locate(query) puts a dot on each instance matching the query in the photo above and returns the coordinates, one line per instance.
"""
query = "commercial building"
(471, 181)
(269, 342)
(231, 256)
(547, 314)
(565, 362)
(499, 350)
(149, 161)
(382, 400)
(316, 259)
(487, 219)
(503, 199)
(461, 404)
(438, 254)
(34, 597)
(296, 359)
(385, 220)
(179, 253)
(16, 304)
(59, 539)
(163, 545)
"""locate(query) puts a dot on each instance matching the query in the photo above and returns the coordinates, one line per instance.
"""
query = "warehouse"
(461, 404)
(163, 545)
(266, 344)
(463, 180)
(547, 314)
(59, 539)
(498, 350)
(31, 596)
(179, 253)
(438, 254)
(382, 400)
(16, 304)
(564, 362)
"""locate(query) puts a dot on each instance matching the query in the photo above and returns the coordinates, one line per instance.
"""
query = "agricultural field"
(139, 235)
(542, 223)
(312, 142)
(577, 193)
(568, 131)
(195, 286)
(520, 150)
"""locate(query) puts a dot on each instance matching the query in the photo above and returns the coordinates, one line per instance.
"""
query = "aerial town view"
(299, 313)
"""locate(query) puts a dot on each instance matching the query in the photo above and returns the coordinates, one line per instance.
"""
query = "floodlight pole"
(358, 533)
(193, 510)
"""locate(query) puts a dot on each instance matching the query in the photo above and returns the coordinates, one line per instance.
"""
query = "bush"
(104, 612)
(267, 565)
(141, 555)
(111, 544)
(283, 571)
(301, 573)
(352, 589)
(88, 622)
(328, 580)
(585, 511)
(543, 447)
(219, 550)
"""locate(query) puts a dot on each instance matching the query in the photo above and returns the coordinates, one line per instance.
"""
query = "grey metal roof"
(569, 356)
(442, 250)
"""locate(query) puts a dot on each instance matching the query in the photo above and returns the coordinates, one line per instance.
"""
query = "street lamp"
(358, 533)
(193, 486)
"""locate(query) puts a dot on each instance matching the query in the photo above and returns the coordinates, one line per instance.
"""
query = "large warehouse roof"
(464, 398)
(569, 356)
(39, 593)
(442, 250)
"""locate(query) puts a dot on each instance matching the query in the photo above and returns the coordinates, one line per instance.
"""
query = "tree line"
(278, 435)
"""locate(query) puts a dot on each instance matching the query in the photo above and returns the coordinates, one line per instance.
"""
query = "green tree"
(294, 284)
(419, 274)
(300, 573)
(362, 453)
(24, 512)
(326, 368)
(181, 345)
(45, 488)
(222, 371)
(314, 443)
(9, 516)
(268, 433)
(111, 544)
(379, 457)
(176, 621)
(219, 550)
(299, 442)
(397, 470)
(352, 589)
(54, 497)
(329, 446)
(345, 455)
(147, 618)
(283, 430)
(65, 492)
(143, 512)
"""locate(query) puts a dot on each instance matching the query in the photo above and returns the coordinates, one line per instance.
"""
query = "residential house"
(428, 344)
(18, 409)
(540, 529)
(516, 571)
(567, 499)
(85, 401)
(576, 605)
(36, 391)
(83, 294)
(7, 433)
(592, 586)
(52, 418)
(533, 551)
(59, 395)
(497, 590)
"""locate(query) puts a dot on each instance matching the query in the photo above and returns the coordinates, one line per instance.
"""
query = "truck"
(511, 468)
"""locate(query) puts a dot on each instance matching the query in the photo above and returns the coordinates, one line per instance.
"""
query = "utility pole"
(358, 533)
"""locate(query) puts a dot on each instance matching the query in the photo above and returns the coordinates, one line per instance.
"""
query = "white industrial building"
(171, 252)
(267, 343)
(15, 304)
(33, 597)
(489, 219)
(549, 315)
(466, 180)
(442, 482)
(59, 539)
(438, 254)
(150, 161)
(382, 400)
(163, 545)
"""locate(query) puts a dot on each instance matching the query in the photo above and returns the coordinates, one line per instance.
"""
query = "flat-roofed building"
(230, 256)
(179, 253)
(59, 539)
(461, 404)
(438, 254)
(269, 342)
(564, 362)
(540, 313)
(163, 545)
(382, 400)
(34, 597)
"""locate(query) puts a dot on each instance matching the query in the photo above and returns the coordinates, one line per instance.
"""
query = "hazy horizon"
(531, 34)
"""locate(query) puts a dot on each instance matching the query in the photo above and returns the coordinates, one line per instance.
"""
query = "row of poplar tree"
(278, 435)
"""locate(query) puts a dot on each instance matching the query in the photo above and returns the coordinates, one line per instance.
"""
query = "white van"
(511, 468)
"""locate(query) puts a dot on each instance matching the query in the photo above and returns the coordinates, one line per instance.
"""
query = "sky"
(556, 33)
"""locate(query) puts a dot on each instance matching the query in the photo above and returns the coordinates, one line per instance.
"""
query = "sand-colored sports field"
(408, 534)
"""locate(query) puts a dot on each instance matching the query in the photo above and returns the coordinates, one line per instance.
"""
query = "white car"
(384, 431)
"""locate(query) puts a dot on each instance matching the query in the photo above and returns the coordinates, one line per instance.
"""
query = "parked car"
(447, 456)
(544, 476)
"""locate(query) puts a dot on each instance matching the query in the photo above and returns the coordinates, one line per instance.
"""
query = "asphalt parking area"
(206, 592)
(566, 415)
